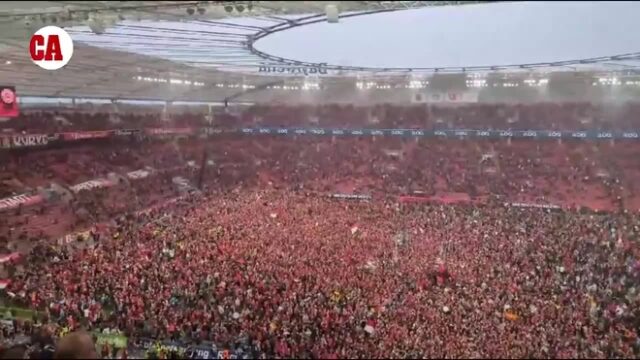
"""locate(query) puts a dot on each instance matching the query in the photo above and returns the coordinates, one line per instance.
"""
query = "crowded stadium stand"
(271, 179)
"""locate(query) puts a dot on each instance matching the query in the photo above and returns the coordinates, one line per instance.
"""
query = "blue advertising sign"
(455, 134)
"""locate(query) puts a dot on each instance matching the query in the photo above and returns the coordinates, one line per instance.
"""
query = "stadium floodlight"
(96, 25)
(28, 21)
(69, 14)
(332, 13)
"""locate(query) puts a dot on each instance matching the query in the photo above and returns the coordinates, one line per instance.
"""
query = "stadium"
(319, 179)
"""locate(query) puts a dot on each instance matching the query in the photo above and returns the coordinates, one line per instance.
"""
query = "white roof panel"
(463, 36)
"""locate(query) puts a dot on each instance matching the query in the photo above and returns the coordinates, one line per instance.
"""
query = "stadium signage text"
(351, 196)
(294, 70)
(459, 133)
(85, 135)
(170, 131)
(533, 205)
(32, 140)
(27, 200)
(29, 140)
(126, 132)
(605, 135)
(91, 184)
(16, 201)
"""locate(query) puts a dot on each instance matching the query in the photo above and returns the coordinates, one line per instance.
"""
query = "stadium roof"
(184, 50)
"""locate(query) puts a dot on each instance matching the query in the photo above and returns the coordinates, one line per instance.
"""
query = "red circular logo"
(7, 96)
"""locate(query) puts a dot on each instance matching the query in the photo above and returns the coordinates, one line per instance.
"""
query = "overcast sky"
(473, 35)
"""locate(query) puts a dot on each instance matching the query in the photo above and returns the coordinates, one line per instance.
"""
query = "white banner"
(138, 174)
(15, 201)
(351, 196)
(531, 205)
(69, 238)
(9, 257)
(92, 184)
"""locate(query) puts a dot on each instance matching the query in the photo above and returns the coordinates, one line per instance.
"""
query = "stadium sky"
(483, 35)
(453, 36)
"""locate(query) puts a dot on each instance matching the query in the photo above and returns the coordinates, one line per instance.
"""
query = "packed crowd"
(540, 116)
(264, 263)
(291, 274)
(573, 174)
(51, 173)
(62, 121)
(598, 176)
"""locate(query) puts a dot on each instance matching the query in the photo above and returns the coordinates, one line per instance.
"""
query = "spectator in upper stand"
(538, 116)
(519, 171)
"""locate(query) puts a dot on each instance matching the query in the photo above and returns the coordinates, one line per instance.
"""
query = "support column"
(210, 118)
(165, 111)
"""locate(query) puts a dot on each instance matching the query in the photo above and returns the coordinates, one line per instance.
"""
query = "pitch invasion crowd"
(264, 260)
(305, 276)
(599, 176)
